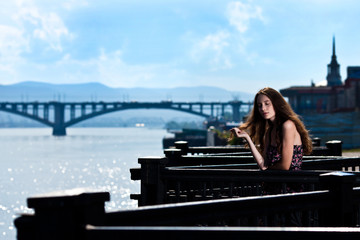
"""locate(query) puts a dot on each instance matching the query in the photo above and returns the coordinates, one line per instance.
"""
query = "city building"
(335, 96)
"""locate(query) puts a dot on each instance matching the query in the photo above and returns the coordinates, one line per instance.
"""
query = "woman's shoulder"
(288, 125)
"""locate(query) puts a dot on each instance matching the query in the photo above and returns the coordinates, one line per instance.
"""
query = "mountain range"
(37, 91)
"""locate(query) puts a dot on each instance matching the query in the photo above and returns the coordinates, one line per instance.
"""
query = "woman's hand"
(239, 133)
(257, 156)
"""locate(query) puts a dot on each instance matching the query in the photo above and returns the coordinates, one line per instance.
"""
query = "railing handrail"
(247, 175)
(333, 147)
(229, 233)
(193, 160)
(239, 161)
(195, 213)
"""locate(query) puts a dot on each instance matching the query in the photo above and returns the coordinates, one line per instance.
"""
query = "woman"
(276, 136)
(277, 139)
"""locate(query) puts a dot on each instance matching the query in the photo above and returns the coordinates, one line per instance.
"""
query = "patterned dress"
(273, 156)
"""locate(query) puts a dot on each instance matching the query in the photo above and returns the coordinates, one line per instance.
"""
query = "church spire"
(333, 77)
(333, 57)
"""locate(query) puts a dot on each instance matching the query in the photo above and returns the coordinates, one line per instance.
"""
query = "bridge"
(60, 115)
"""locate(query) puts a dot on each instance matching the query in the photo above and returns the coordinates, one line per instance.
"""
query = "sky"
(236, 45)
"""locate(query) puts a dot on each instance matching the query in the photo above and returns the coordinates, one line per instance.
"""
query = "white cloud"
(72, 4)
(113, 71)
(35, 31)
(218, 50)
(240, 14)
(12, 41)
(108, 68)
(212, 49)
(12, 44)
(24, 25)
(45, 26)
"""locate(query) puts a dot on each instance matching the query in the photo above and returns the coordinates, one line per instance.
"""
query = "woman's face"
(265, 107)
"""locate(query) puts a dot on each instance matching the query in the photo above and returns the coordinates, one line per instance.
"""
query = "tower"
(333, 77)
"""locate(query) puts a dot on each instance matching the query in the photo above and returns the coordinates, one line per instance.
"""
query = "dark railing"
(331, 148)
(238, 208)
(161, 184)
(183, 155)
(200, 173)
(316, 214)
(257, 211)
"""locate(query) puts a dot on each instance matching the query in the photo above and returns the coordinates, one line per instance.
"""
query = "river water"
(33, 162)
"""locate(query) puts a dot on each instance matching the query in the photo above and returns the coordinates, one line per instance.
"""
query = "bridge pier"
(236, 110)
(59, 131)
(58, 127)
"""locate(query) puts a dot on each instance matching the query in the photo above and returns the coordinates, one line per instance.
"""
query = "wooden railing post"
(173, 155)
(316, 141)
(152, 187)
(334, 147)
(340, 185)
(62, 215)
(183, 146)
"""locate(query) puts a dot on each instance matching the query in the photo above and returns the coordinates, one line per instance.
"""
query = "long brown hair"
(258, 127)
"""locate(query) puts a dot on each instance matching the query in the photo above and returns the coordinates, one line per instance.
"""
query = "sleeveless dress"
(273, 156)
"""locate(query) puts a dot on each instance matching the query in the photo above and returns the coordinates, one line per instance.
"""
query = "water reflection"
(34, 162)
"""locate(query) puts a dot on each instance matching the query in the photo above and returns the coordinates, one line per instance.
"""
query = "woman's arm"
(289, 131)
(257, 156)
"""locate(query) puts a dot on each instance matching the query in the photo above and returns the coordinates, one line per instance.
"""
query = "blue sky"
(237, 45)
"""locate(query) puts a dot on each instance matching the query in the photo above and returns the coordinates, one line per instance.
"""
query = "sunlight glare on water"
(34, 162)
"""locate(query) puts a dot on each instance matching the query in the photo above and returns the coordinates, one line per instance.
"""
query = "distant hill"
(37, 91)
